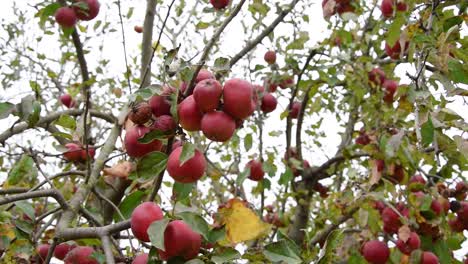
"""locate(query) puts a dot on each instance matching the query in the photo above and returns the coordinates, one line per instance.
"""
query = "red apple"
(398, 173)
(142, 217)
(91, 151)
(62, 249)
(138, 29)
(296, 108)
(380, 206)
(375, 252)
(391, 220)
(80, 254)
(219, 4)
(189, 114)
(387, 8)
(136, 149)
(207, 94)
(160, 104)
(456, 225)
(271, 86)
(401, 6)
(86, 9)
(188, 172)
(140, 113)
(180, 240)
(66, 17)
(363, 139)
(256, 170)
(269, 103)
(218, 126)
(238, 96)
(376, 76)
(164, 123)
(42, 251)
(141, 259)
(390, 87)
(203, 75)
(416, 183)
(463, 212)
(413, 243)
(67, 100)
(73, 152)
(394, 52)
(286, 83)
(270, 57)
(436, 207)
(429, 258)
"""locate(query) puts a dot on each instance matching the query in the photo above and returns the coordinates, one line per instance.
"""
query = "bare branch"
(106, 246)
(146, 45)
(93, 232)
(36, 194)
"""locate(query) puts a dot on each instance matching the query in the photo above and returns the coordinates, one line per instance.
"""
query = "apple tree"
(238, 131)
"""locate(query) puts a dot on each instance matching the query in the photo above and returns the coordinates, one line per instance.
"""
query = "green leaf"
(202, 25)
(427, 132)
(151, 165)
(156, 233)
(226, 255)
(242, 176)
(128, 204)
(182, 190)
(286, 177)
(26, 208)
(23, 171)
(151, 136)
(442, 251)
(458, 72)
(248, 142)
(6, 109)
(394, 32)
(196, 222)
(216, 234)
(222, 65)
(66, 121)
(100, 257)
(281, 251)
(188, 151)
(35, 115)
(334, 239)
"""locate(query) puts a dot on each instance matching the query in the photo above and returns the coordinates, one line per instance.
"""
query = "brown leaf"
(404, 233)
(375, 173)
(120, 170)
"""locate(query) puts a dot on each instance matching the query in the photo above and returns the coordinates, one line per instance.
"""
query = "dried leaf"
(375, 173)
(404, 233)
(120, 170)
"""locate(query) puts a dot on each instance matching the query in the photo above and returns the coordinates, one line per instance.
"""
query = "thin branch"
(210, 45)
(36, 194)
(106, 246)
(127, 69)
(13, 190)
(50, 252)
(93, 232)
(158, 181)
(147, 42)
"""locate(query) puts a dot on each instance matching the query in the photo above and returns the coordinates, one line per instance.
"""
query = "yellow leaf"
(241, 223)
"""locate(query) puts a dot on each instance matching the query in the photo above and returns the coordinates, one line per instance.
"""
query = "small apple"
(180, 240)
(138, 29)
(66, 17)
(141, 259)
(140, 113)
(296, 108)
(428, 257)
(387, 7)
(256, 170)
(401, 6)
(86, 9)
(375, 252)
(160, 104)
(91, 151)
(42, 251)
(219, 4)
(416, 183)
(286, 82)
(190, 116)
(188, 172)
(270, 57)
(80, 254)
(391, 220)
(142, 217)
(268, 103)
(67, 100)
(376, 76)
(394, 51)
(62, 249)
(207, 94)
(413, 243)
(390, 87)
(73, 152)
(136, 149)
(218, 126)
(203, 75)
(238, 96)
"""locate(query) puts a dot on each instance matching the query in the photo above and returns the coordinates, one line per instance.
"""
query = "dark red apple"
(62, 249)
(91, 151)
(142, 217)
(138, 29)
(160, 104)
(256, 170)
(140, 113)
(219, 4)
(416, 183)
(141, 259)
(136, 149)
(286, 82)
(271, 86)
(436, 207)
(218, 126)
(387, 8)
(401, 6)
(376, 76)
(207, 94)
(391, 220)
(390, 87)
(190, 115)
(238, 96)
(67, 100)
(164, 123)
(429, 258)
(180, 240)
(456, 225)
(398, 173)
(375, 252)
(413, 243)
(296, 108)
(86, 9)
(66, 17)
(188, 172)
(42, 251)
(380, 206)
(270, 57)
(463, 212)
(269, 103)
(363, 139)
(394, 51)
(80, 254)
(73, 152)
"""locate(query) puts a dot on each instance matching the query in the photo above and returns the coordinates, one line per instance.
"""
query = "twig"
(36, 194)
(106, 246)
(127, 70)
(147, 42)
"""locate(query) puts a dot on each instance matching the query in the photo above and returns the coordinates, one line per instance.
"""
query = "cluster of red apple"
(377, 252)
(331, 7)
(67, 16)
(179, 239)
(377, 78)
(70, 253)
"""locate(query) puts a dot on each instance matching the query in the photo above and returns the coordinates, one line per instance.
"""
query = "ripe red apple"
(218, 126)
(411, 244)
(62, 250)
(271, 86)
(238, 96)
(321, 189)
(177, 143)
(416, 183)
(136, 149)
(180, 240)
(138, 29)
(429, 258)
(73, 152)
(141, 259)
(296, 108)
(270, 57)
(461, 187)
(91, 151)
(436, 207)
(160, 104)
(286, 83)
(376, 76)
(363, 139)
(207, 94)
(398, 173)
(80, 254)
(86, 9)
(164, 123)
(256, 170)
(456, 225)
(219, 4)
(375, 252)
(140, 113)
(269, 103)
(395, 51)
(66, 17)
(42, 251)
(387, 8)
(401, 6)
(142, 217)
(391, 220)
(203, 75)
(380, 206)
(67, 100)
(463, 212)
(190, 171)
(189, 114)
(390, 87)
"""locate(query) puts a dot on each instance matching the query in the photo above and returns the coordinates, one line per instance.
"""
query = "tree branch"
(36, 194)
(146, 45)
(92, 232)
(106, 246)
